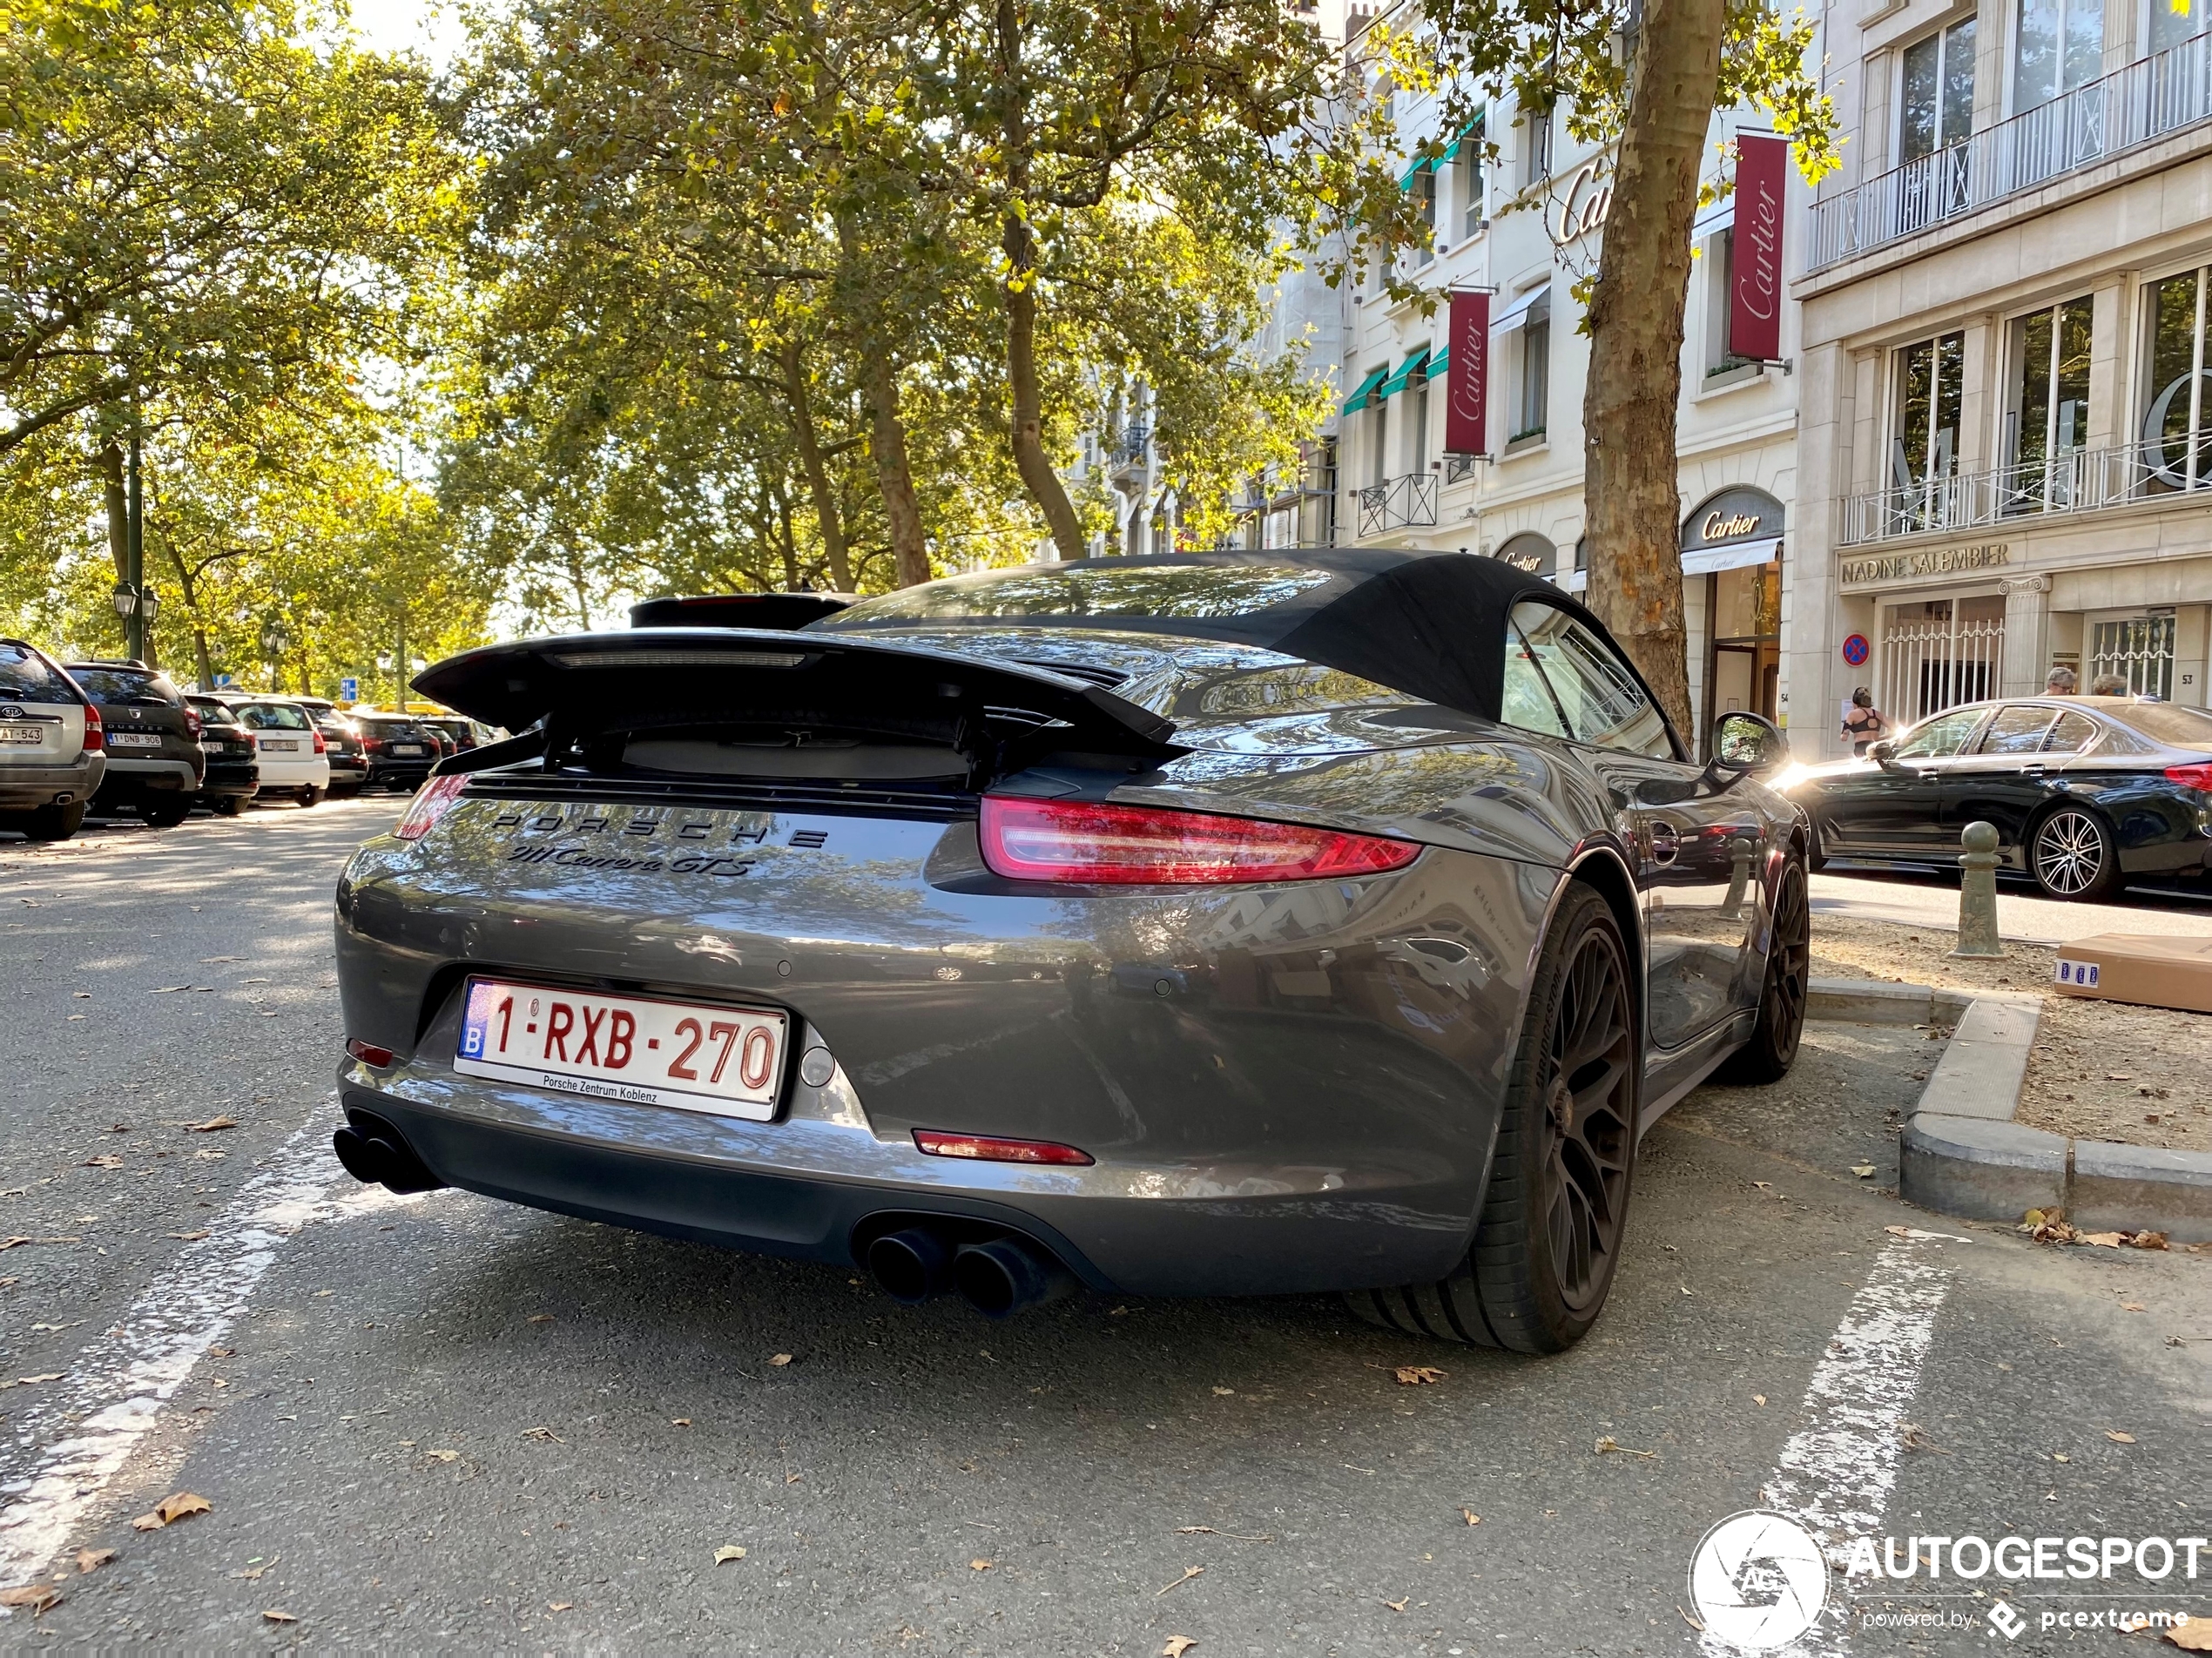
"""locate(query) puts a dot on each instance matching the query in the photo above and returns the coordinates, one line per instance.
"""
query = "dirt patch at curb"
(2101, 1070)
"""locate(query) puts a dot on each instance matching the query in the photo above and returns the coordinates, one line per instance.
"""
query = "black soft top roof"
(1431, 625)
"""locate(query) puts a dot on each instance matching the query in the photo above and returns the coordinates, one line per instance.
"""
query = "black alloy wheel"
(1550, 1235)
(1784, 990)
(2072, 856)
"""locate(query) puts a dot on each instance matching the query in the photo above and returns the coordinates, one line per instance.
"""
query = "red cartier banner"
(1755, 306)
(1466, 413)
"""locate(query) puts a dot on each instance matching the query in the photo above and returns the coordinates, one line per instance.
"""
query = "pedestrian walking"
(2060, 682)
(1863, 723)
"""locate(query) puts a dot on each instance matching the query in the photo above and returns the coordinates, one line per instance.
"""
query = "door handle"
(2033, 768)
(1666, 842)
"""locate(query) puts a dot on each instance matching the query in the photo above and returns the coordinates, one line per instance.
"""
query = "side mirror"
(1745, 742)
(1883, 753)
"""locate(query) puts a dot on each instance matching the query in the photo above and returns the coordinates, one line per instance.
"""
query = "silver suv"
(51, 745)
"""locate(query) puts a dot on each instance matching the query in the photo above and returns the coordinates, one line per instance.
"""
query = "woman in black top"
(1864, 725)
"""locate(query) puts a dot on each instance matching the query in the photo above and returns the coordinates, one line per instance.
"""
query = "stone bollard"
(1741, 849)
(1978, 894)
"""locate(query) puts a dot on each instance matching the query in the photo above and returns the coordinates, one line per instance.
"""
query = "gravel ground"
(2101, 1070)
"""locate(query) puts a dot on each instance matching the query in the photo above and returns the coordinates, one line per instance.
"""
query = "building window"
(1936, 99)
(1378, 440)
(2047, 413)
(2173, 22)
(1536, 141)
(1417, 420)
(2057, 45)
(1924, 444)
(1531, 398)
(1471, 184)
(1720, 300)
(2139, 650)
(1424, 188)
(2175, 454)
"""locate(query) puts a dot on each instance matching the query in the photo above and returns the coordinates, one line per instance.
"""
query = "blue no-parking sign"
(1855, 649)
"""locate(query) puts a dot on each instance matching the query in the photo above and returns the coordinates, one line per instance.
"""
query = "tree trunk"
(1629, 487)
(828, 518)
(895, 477)
(188, 589)
(1019, 243)
(118, 507)
(200, 655)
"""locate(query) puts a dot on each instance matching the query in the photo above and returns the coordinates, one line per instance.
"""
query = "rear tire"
(1773, 1046)
(310, 798)
(1552, 1219)
(164, 814)
(1815, 859)
(227, 805)
(52, 823)
(2073, 854)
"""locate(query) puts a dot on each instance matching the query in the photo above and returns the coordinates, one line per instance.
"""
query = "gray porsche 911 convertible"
(1216, 923)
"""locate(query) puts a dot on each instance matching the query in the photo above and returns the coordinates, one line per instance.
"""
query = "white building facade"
(1527, 227)
(2005, 435)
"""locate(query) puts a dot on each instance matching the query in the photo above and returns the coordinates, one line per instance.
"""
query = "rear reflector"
(432, 801)
(984, 1148)
(2192, 777)
(368, 1053)
(1058, 841)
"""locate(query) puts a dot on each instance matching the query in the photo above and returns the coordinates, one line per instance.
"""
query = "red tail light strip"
(369, 1053)
(432, 801)
(95, 733)
(985, 1148)
(1058, 841)
(2192, 777)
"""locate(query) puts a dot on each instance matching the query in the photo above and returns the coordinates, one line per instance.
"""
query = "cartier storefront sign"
(1924, 562)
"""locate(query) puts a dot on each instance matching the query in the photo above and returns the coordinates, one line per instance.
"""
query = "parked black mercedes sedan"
(2084, 791)
(1211, 924)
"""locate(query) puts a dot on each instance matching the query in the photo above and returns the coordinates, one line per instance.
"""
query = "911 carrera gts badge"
(646, 839)
(583, 858)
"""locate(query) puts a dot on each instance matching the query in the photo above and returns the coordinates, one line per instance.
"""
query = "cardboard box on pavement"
(2148, 968)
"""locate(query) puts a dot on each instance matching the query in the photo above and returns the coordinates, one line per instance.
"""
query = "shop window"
(2057, 44)
(2139, 650)
(1745, 626)
(1924, 443)
(1936, 92)
(1938, 653)
(2047, 414)
(2175, 452)
(2173, 22)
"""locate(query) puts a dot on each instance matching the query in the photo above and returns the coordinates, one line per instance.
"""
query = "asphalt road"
(444, 1423)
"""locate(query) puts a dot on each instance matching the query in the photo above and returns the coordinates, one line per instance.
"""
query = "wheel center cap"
(1561, 1105)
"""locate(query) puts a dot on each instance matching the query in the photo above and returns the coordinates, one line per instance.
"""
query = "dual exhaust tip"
(376, 1153)
(998, 1277)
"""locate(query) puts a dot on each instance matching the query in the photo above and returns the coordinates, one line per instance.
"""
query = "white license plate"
(281, 744)
(407, 748)
(134, 739)
(642, 1051)
(22, 734)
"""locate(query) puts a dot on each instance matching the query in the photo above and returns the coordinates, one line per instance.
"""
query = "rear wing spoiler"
(1002, 716)
(778, 610)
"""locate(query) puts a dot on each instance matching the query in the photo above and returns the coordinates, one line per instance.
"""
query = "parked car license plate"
(407, 748)
(22, 734)
(134, 739)
(281, 744)
(637, 1049)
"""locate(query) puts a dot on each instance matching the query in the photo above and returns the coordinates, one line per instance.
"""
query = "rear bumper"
(128, 778)
(230, 777)
(404, 773)
(24, 788)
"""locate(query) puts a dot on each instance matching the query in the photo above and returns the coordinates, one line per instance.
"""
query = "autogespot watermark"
(1759, 1580)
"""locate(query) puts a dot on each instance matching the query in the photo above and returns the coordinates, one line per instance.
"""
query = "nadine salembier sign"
(1755, 304)
(1466, 414)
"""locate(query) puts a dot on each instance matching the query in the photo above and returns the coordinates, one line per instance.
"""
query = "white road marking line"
(117, 1388)
(1835, 1475)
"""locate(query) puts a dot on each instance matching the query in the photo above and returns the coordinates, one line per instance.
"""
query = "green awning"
(1439, 363)
(1359, 393)
(1397, 382)
(1413, 172)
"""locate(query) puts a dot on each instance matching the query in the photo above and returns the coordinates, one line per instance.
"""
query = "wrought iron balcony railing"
(2149, 99)
(1398, 503)
(2077, 481)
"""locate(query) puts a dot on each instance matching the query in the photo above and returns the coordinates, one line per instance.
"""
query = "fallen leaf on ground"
(33, 1381)
(979, 1566)
(2118, 1437)
(1758, 1399)
(164, 990)
(106, 1160)
(1397, 1606)
(189, 1237)
(1177, 1645)
(38, 1596)
(252, 1573)
(729, 1551)
(541, 1318)
(2060, 1456)
(1225, 1393)
(278, 1614)
(779, 1361)
(1914, 1440)
(561, 1605)
(173, 1508)
(443, 1456)
(681, 1422)
(543, 1436)
(212, 1126)
(1189, 1572)
(2195, 1636)
(2133, 1306)
(91, 1560)
(1864, 1171)
(2148, 1240)
(793, 1478)
(1470, 1516)
(2103, 1240)
(1608, 1444)
(1415, 1375)
(10, 1242)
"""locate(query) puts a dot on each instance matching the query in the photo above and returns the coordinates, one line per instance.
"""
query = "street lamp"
(149, 603)
(126, 601)
(275, 641)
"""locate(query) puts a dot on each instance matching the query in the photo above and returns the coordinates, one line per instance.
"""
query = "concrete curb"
(1963, 1155)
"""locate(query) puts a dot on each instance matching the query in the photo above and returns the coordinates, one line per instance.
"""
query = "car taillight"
(985, 1149)
(432, 801)
(2192, 777)
(1058, 841)
(372, 745)
(321, 747)
(368, 1053)
(95, 733)
(192, 722)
